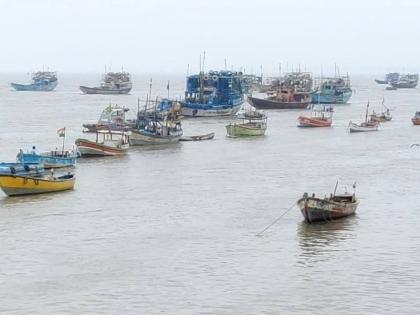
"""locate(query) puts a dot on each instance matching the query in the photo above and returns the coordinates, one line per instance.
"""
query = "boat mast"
(367, 111)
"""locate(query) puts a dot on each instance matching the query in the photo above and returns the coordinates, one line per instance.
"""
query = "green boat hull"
(235, 130)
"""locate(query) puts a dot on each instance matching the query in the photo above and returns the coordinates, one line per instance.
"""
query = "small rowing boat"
(208, 136)
(330, 208)
(416, 119)
(254, 123)
(107, 143)
(18, 185)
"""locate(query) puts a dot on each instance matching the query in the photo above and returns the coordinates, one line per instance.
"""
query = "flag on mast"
(61, 132)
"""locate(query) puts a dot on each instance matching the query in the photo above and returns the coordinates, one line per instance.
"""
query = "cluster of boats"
(395, 80)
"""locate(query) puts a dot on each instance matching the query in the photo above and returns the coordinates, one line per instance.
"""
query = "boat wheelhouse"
(334, 90)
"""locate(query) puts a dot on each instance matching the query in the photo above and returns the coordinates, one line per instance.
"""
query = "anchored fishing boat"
(406, 81)
(107, 143)
(158, 126)
(216, 93)
(18, 185)
(383, 116)
(291, 92)
(113, 83)
(334, 90)
(112, 118)
(41, 81)
(365, 126)
(21, 168)
(390, 77)
(321, 116)
(208, 136)
(51, 159)
(253, 123)
(416, 118)
(329, 208)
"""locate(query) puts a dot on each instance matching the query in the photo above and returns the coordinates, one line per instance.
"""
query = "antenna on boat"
(367, 111)
(167, 87)
(336, 185)
(188, 70)
(150, 88)
(138, 106)
(225, 64)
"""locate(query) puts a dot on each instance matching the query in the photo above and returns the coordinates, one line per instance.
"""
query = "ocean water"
(172, 229)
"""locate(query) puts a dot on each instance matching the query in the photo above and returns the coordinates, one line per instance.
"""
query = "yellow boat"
(17, 185)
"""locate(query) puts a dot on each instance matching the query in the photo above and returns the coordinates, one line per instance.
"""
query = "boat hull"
(212, 111)
(415, 121)
(326, 98)
(404, 85)
(49, 161)
(208, 136)
(138, 139)
(99, 90)
(21, 168)
(313, 122)
(35, 87)
(260, 103)
(358, 128)
(89, 148)
(239, 130)
(319, 210)
(25, 185)
(381, 81)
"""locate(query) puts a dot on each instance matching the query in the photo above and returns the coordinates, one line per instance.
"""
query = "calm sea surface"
(172, 230)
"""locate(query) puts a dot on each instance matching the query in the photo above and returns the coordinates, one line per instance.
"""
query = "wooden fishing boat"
(208, 136)
(321, 116)
(112, 143)
(254, 123)
(416, 118)
(17, 185)
(329, 208)
(365, 126)
(113, 83)
(383, 116)
(112, 118)
(51, 159)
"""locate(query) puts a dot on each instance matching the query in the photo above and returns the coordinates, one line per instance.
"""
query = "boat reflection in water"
(319, 241)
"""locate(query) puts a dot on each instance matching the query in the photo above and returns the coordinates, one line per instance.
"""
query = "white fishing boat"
(367, 125)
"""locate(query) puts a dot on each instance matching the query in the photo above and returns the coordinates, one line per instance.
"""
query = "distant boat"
(17, 185)
(390, 88)
(41, 81)
(207, 136)
(113, 83)
(253, 123)
(321, 116)
(390, 77)
(365, 126)
(112, 118)
(157, 126)
(381, 81)
(215, 93)
(334, 90)
(406, 81)
(21, 168)
(334, 207)
(292, 91)
(416, 118)
(107, 143)
(383, 116)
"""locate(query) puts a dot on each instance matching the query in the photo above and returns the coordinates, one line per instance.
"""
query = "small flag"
(61, 132)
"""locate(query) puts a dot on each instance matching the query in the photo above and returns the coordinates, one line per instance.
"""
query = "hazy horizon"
(361, 37)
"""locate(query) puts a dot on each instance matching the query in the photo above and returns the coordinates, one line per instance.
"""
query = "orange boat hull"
(416, 121)
(313, 122)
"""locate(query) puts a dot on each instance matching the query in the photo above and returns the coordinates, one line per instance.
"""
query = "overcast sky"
(163, 36)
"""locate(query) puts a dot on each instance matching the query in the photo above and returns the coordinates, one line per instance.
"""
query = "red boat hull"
(416, 121)
(313, 122)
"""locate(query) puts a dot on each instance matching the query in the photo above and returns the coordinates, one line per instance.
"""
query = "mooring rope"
(276, 220)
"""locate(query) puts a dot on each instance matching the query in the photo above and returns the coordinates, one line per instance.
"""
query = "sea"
(175, 229)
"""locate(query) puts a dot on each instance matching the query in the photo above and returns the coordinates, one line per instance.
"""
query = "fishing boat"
(40, 81)
(112, 118)
(390, 77)
(107, 143)
(208, 136)
(253, 123)
(390, 88)
(51, 159)
(334, 207)
(365, 126)
(321, 116)
(157, 126)
(21, 168)
(18, 185)
(291, 92)
(406, 81)
(383, 116)
(335, 90)
(215, 93)
(113, 83)
(416, 118)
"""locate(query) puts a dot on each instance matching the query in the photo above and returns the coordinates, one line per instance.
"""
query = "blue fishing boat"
(41, 81)
(21, 168)
(51, 159)
(334, 90)
(215, 93)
